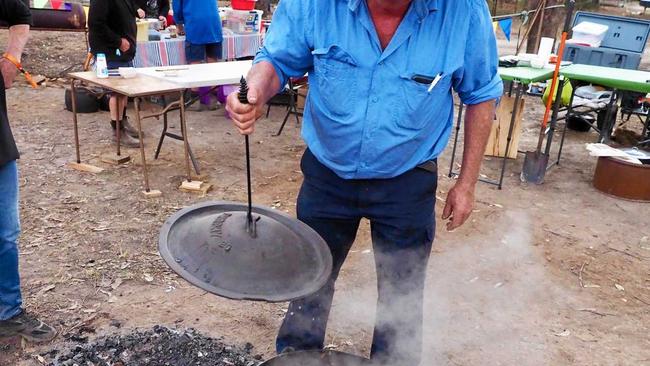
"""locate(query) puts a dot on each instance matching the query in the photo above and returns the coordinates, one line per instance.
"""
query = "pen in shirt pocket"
(435, 82)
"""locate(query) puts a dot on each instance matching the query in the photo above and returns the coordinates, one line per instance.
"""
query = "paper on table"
(545, 48)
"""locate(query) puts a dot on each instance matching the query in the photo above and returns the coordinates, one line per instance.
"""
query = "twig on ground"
(641, 300)
(594, 311)
(80, 324)
(563, 236)
(582, 268)
(626, 253)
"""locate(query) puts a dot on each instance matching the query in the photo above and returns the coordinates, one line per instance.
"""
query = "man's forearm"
(265, 80)
(18, 35)
(478, 125)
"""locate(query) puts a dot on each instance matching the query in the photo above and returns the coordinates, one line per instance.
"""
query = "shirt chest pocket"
(335, 71)
(418, 101)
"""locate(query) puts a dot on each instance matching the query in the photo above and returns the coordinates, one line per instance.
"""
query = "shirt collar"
(422, 7)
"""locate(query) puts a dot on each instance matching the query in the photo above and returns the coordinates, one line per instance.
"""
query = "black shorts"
(113, 65)
(201, 52)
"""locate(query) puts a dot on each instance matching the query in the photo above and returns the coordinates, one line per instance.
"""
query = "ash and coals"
(159, 346)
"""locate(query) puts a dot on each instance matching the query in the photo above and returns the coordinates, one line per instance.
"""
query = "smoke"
(483, 296)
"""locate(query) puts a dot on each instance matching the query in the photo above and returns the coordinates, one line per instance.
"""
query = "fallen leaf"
(619, 287)
(564, 333)
(147, 277)
(117, 283)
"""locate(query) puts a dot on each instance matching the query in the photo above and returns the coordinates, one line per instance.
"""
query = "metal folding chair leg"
(162, 137)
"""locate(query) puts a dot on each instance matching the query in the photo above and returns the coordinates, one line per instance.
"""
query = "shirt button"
(375, 99)
(381, 63)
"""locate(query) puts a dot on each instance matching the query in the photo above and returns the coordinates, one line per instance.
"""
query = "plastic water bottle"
(101, 66)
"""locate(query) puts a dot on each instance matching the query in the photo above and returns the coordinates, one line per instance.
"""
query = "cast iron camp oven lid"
(317, 358)
(208, 245)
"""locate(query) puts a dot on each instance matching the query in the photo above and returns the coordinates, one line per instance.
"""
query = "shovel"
(536, 162)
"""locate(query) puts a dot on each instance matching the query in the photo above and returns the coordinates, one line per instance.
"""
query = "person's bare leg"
(113, 107)
(121, 107)
(116, 106)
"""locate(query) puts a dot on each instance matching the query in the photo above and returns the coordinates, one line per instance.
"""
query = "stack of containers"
(621, 44)
(589, 34)
(243, 21)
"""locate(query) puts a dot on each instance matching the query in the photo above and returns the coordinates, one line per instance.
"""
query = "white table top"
(200, 75)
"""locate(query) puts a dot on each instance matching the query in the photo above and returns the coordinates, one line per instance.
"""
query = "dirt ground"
(557, 274)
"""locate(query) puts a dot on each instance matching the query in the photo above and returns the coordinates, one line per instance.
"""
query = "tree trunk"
(264, 5)
(552, 23)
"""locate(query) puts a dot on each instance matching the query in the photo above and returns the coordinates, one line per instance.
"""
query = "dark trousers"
(401, 213)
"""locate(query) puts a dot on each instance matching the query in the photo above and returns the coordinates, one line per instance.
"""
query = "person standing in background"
(112, 31)
(14, 320)
(203, 38)
(153, 9)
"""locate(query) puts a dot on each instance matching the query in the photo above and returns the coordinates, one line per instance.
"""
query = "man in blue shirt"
(202, 25)
(203, 39)
(379, 113)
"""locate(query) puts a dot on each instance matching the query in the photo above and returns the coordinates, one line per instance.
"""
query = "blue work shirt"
(201, 20)
(366, 117)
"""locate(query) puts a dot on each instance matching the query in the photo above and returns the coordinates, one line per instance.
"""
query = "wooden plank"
(115, 159)
(85, 168)
(195, 186)
(499, 135)
(153, 193)
(302, 97)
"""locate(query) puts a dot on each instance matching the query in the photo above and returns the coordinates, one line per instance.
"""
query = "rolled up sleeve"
(287, 44)
(478, 80)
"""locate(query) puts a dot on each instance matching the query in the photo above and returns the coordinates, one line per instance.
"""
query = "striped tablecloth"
(171, 52)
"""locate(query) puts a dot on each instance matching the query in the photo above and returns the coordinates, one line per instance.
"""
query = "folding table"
(618, 80)
(520, 77)
(158, 81)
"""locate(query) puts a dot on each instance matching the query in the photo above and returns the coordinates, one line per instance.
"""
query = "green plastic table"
(616, 79)
(525, 75)
(621, 79)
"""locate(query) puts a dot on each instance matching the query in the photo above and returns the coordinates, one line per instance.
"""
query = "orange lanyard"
(16, 63)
